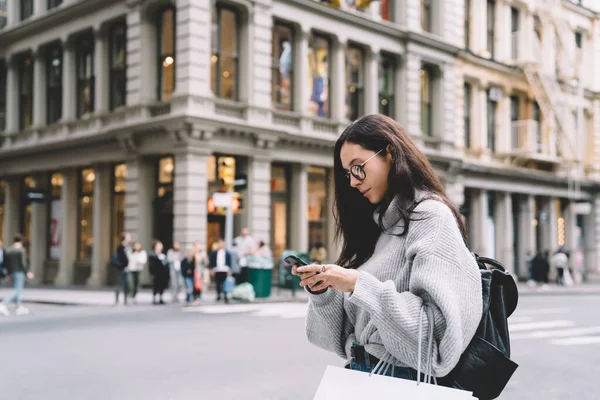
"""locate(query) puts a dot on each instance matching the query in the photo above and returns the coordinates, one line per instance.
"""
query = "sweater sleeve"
(444, 277)
(327, 324)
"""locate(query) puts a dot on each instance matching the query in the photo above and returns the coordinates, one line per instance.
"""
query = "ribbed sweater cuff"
(321, 299)
(366, 291)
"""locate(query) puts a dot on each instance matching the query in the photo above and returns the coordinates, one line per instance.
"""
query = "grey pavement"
(253, 351)
(105, 296)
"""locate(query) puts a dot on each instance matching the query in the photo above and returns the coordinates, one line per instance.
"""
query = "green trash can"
(260, 274)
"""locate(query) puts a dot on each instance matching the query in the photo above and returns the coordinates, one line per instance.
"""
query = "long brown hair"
(411, 171)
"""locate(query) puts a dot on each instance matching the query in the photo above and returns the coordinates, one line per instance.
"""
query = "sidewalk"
(104, 297)
(82, 296)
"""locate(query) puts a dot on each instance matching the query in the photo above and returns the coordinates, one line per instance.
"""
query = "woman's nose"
(353, 181)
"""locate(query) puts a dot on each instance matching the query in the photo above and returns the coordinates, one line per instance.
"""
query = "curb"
(67, 303)
(560, 293)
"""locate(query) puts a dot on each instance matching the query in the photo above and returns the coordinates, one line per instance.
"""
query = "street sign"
(222, 199)
(581, 208)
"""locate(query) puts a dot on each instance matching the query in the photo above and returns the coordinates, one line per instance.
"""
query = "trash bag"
(244, 292)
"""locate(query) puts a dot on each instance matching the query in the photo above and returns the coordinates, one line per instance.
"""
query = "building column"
(12, 8)
(12, 95)
(68, 240)
(39, 89)
(39, 231)
(505, 230)
(190, 195)
(372, 82)
(101, 225)
(69, 81)
(479, 135)
(258, 209)
(193, 64)
(140, 192)
(334, 247)
(479, 29)
(40, 7)
(142, 73)
(592, 239)
(300, 92)
(479, 229)
(527, 243)
(549, 219)
(259, 58)
(299, 208)
(101, 69)
(12, 208)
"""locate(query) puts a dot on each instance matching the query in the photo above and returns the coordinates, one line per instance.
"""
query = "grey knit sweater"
(430, 265)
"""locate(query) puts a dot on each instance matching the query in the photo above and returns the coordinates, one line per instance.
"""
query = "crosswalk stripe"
(516, 320)
(576, 341)
(529, 326)
(541, 311)
(560, 333)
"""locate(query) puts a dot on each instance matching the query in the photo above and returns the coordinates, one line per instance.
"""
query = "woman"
(188, 267)
(159, 268)
(137, 263)
(403, 253)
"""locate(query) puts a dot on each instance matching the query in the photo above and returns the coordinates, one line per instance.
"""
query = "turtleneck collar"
(392, 222)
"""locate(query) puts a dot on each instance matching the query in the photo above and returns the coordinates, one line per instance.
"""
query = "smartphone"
(292, 260)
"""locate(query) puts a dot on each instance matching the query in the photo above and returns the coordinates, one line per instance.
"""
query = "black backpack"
(485, 366)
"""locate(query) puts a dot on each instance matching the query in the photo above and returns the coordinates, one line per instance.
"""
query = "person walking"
(2, 269)
(220, 265)
(159, 269)
(121, 263)
(15, 263)
(174, 257)
(244, 247)
(202, 273)
(137, 263)
(188, 269)
(404, 259)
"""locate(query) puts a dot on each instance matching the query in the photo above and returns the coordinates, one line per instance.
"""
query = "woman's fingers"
(312, 280)
(310, 268)
(319, 286)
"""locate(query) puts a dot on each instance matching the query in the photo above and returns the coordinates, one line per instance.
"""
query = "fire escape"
(561, 139)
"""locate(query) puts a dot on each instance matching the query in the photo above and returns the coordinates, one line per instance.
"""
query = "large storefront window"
(387, 69)
(283, 66)
(225, 46)
(354, 83)
(118, 64)
(222, 172)
(163, 203)
(3, 76)
(318, 79)
(279, 205)
(56, 220)
(25, 92)
(29, 184)
(54, 84)
(426, 95)
(2, 196)
(166, 56)
(118, 203)
(317, 205)
(86, 200)
(85, 75)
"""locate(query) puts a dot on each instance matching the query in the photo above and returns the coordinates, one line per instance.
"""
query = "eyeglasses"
(358, 171)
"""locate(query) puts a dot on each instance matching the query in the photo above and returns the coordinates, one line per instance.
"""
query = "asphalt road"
(253, 352)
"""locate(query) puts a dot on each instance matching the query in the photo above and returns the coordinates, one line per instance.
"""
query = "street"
(252, 352)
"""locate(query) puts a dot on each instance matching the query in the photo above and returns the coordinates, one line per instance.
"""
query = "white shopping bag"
(345, 384)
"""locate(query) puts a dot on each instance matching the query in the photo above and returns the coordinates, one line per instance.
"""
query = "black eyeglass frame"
(358, 171)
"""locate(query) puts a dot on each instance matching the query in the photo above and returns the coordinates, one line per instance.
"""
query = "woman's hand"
(333, 276)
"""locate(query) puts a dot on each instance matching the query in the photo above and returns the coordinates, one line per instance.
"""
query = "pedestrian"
(188, 269)
(560, 264)
(174, 257)
(202, 274)
(244, 247)
(318, 254)
(220, 265)
(137, 262)
(15, 263)
(159, 269)
(262, 250)
(121, 263)
(404, 261)
(540, 268)
(2, 269)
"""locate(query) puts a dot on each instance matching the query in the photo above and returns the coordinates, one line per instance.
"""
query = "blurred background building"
(128, 115)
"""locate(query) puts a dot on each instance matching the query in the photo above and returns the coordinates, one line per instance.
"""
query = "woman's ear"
(389, 154)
